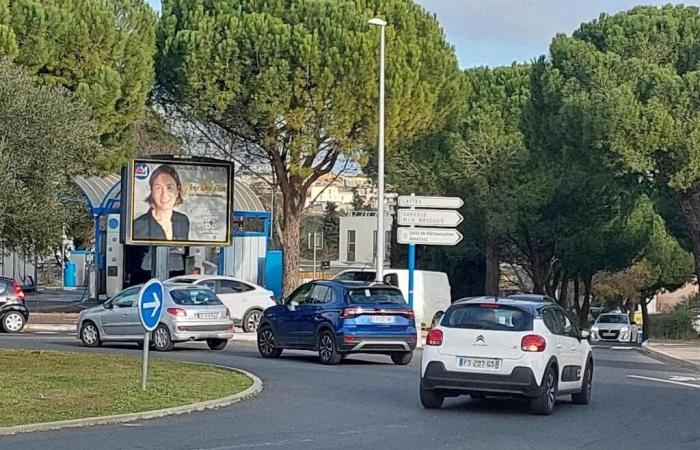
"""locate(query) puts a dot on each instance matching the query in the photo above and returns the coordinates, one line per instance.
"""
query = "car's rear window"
(194, 297)
(489, 317)
(365, 296)
(184, 280)
(613, 318)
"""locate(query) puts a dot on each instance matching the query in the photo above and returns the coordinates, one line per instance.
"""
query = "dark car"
(13, 311)
(336, 318)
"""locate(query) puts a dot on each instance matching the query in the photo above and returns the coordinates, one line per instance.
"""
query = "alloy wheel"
(14, 322)
(325, 348)
(253, 321)
(267, 342)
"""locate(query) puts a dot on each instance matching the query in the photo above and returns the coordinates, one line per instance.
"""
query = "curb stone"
(255, 389)
(660, 354)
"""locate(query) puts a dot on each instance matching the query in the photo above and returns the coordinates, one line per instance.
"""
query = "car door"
(288, 320)
(553, 323)
(231, 294)
(572, 353)
(310, 313)
(121, 319)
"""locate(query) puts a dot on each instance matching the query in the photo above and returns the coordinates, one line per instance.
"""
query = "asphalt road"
(368, 403)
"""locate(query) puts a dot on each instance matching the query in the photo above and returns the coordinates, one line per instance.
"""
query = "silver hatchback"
(190, 313)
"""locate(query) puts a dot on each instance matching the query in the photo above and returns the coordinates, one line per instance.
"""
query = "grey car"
(190, 313)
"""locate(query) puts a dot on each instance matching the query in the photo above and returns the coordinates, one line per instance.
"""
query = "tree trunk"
(577, 295)
(540, 272)
(493, 268)
(586, 307)
(644, 302)
(564, 293)
(690, 206)
(552, 286)
(290, 244)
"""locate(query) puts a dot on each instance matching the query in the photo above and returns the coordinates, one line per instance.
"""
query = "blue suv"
(335, 318)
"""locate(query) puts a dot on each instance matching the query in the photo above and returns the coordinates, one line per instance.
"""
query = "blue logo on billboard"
(113, 224)
(141, 171)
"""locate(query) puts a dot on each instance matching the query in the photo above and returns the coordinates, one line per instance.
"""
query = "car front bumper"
(521, 381)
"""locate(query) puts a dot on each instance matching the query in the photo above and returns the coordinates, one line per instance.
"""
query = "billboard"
(178, 202)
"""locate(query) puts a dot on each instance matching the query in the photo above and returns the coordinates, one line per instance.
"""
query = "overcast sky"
(498, 32)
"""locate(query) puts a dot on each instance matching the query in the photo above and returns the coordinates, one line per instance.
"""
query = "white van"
(431, 290)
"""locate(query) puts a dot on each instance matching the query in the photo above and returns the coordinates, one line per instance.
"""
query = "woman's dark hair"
(167, 170)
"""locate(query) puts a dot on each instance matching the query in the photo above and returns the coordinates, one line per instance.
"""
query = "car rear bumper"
(368, 343)
(184, 331)
(521, 381)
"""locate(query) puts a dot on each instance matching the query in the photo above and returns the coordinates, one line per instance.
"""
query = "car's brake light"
(350, 313)
(434, 337)
(410, 314)
(490, 305)
(533, 343)
(177, 312)
(19, 293)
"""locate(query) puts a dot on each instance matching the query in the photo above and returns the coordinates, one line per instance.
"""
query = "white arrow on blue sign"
(150, 302)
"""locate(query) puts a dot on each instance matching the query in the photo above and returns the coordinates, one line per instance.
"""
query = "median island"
(47, 386)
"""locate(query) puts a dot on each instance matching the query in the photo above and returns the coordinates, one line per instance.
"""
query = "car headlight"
(594, 328)
(624, 329)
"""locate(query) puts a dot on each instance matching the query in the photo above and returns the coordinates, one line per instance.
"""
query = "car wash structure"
(188, 213)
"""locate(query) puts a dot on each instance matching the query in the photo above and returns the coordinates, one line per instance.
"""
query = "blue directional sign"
(150, 301)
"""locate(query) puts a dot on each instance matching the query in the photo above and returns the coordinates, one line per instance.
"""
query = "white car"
(246, 301)
(486, 346)
(614, 327)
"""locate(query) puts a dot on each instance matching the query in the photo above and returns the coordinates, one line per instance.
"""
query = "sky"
(499, 32)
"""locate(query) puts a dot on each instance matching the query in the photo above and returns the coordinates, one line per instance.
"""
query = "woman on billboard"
(162, 222)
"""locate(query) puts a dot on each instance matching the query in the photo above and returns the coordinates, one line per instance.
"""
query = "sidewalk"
(686, 353)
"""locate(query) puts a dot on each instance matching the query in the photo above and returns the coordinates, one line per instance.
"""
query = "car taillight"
(410, 315)
(434, 337)
(177, 312)
(533, 343)
(490, 305)
(19, 293)
(350, 313)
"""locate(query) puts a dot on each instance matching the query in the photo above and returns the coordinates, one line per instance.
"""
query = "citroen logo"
(480, 340)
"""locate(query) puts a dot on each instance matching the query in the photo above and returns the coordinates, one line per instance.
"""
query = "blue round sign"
(150, 301)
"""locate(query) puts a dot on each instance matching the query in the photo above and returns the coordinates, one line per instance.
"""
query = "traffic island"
(51, 390)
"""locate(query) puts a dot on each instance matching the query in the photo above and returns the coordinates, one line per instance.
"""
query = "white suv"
(506, 347)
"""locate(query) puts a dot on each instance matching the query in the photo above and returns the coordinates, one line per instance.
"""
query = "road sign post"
(150, 305)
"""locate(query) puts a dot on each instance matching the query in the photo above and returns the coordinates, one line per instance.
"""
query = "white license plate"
(478, 363)
(383, 319)
(208, 316)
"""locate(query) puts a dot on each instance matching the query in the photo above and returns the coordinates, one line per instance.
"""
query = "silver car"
(190, 313)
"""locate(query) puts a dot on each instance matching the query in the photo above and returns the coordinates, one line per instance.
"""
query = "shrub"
(677, 323)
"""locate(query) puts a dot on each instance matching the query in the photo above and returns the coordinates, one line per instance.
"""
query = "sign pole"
(314, 254)
(144, 359)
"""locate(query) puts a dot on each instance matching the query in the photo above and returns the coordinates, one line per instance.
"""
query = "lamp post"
(380, 148)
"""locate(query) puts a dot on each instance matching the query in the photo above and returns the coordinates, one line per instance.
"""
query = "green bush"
(677, 323)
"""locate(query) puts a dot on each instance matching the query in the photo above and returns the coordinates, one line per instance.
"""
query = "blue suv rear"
(336, 318)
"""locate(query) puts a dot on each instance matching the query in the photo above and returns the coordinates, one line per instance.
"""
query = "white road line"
(616, 347)
(282, 443)
(660, 380)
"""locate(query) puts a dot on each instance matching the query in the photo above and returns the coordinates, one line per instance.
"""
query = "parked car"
(246, 301)
(614, 327)
(488, 346)
(14, 313)
(190, 313)
(431, 290)
(337, 318)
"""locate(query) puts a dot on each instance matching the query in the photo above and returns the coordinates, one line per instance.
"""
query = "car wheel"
(13, 322)
(402, 359)
(90, 335)
(431, 398)
(162, 341)
(267, 345)
(327, 351)
(584, 397)
(544, 404)
(251, 320)
(217, 344)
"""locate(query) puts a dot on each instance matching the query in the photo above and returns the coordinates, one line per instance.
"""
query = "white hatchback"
(245, 301)
(488, 346)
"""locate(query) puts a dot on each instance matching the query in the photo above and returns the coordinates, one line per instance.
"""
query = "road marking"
(616, 347)
(677, 378)
(660, 380)
(282, 443)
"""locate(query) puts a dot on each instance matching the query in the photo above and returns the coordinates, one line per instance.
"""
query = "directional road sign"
(428, 236)
(430, 217)
(417, 201)
(150, 301)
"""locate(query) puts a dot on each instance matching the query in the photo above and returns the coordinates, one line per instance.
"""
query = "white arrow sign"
(155, 304)
(428, 236)
(429, 217)
(417, 201)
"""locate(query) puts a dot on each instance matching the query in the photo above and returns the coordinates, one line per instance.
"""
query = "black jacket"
(147, 228)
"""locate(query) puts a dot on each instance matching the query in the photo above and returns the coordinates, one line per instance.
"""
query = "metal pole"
(144, 360)
(314, 255)
(380, 194)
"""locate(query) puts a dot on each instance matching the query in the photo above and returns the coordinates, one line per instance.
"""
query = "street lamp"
(377, 22)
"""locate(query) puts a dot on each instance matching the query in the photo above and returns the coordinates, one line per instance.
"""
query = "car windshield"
(194, 297)
(487, 317)
(370, 295)
(613, 318)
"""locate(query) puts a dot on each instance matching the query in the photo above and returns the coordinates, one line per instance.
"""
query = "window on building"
(387, 245)
(351, 246)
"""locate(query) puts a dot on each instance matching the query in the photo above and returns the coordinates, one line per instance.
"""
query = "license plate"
(479, 363)
(208, 316)
(383, 319)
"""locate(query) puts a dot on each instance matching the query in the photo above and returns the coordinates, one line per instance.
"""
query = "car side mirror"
(585, 334)
(292, 304)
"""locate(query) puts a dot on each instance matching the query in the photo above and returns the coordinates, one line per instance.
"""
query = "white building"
(358, 237)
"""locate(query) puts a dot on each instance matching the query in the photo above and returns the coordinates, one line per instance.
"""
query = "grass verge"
(46, 386)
